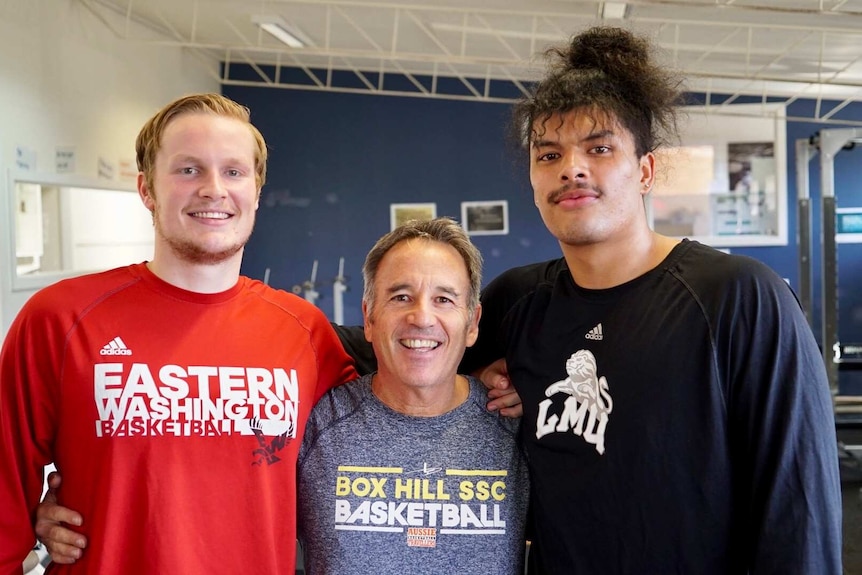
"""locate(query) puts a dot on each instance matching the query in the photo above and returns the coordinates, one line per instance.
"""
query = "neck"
(420, 402)
(196, 277)
(611, 263)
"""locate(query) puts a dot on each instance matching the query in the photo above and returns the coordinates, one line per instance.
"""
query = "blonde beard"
(194, 253)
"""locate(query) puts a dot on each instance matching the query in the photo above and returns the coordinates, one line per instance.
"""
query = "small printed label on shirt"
(421, 537)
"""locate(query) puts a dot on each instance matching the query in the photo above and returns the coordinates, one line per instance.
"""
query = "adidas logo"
(595, 333)
(115, 347)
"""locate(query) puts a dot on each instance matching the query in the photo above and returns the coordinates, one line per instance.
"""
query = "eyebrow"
(451, 291)
(591, 137)
(190, 158)
(185, 158)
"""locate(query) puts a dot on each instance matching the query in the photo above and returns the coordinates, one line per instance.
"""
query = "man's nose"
(573, 167)
(421, 314)
(213, 186)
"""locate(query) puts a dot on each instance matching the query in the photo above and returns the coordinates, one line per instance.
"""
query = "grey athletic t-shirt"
(385, 493)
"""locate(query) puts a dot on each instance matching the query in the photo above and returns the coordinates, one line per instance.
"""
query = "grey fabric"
(385, 493)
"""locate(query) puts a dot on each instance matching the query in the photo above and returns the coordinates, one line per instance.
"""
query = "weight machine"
(339, 285)
(828, 143)
(836, 356)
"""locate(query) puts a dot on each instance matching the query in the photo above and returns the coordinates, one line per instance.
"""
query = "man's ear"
(366, 320)
(144, 192)
(473, 328)
(647, 167)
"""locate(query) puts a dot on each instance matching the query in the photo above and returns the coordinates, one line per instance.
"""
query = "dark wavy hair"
(610, 73)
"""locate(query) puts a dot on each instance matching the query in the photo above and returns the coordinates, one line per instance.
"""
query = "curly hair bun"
(610, 70)
(616, 52)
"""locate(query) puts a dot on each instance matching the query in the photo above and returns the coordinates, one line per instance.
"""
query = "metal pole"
(310, 293)
(803, 224)
(338, 289)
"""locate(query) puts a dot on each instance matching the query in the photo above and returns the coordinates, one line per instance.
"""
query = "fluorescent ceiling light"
(614, 10)
(280, 29)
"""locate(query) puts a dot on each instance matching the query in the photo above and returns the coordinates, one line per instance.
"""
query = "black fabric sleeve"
(498, 298)
(353, 339)
(783, 431)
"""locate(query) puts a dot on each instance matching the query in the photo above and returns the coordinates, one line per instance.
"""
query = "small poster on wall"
(25, 158)
(128, 171)
(485, 218)
(402, 213)
(64, 159)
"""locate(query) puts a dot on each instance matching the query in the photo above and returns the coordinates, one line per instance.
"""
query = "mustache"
(570, 187)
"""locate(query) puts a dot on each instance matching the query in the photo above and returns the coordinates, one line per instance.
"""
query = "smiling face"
(588, 183)
(420, 323)
(204, 191)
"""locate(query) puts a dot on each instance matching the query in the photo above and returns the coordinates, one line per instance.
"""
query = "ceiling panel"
(778, 48)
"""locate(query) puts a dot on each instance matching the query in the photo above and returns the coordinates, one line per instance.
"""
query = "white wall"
(67, 80)
(124, 233)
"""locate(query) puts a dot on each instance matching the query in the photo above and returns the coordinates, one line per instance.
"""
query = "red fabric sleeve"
(334, 365)
(29, 396)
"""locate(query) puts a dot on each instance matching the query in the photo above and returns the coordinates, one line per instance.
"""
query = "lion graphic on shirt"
(586, 409)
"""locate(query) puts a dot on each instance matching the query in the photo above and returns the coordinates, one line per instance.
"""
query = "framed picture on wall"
(485, 218)
(402, 213)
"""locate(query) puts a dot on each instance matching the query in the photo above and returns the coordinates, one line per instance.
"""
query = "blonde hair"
(149, 138)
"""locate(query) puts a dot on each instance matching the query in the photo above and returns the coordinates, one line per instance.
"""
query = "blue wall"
(337, 161)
